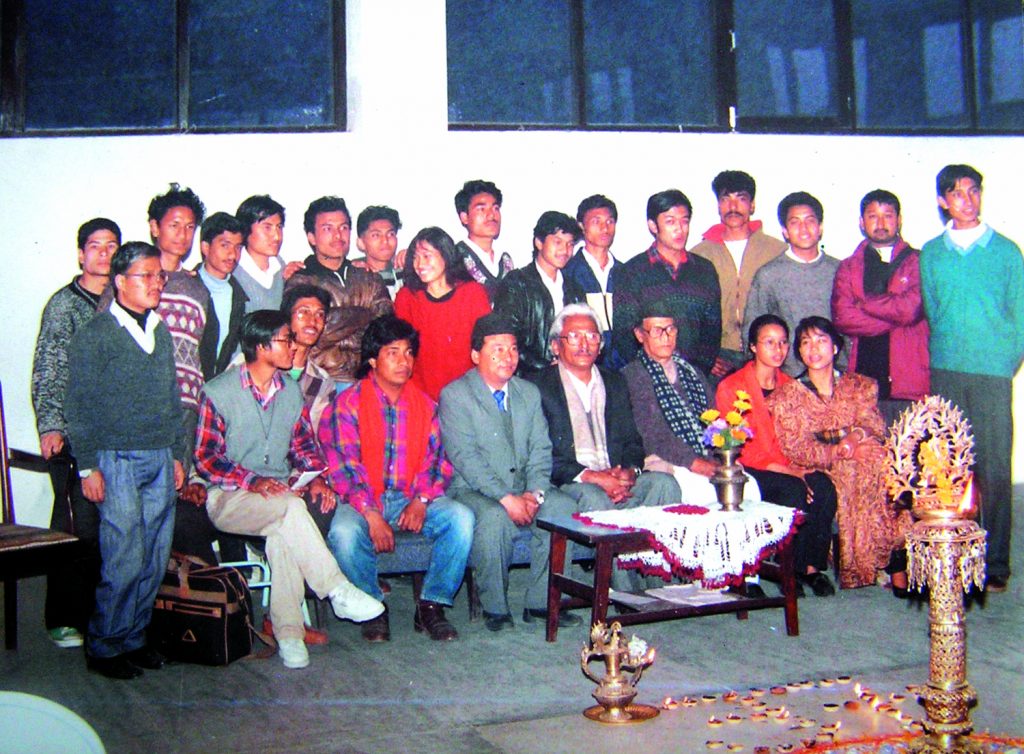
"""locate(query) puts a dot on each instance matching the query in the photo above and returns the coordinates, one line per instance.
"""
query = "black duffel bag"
(203, 614)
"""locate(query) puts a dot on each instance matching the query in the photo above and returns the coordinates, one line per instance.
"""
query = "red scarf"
(373, 434)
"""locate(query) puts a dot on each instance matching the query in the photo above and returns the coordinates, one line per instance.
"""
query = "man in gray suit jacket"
(496, 437)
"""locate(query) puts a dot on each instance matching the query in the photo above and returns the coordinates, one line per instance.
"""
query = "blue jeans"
(449, 525)
(136, 526)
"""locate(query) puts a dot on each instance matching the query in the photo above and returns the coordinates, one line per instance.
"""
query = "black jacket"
(625, 448)
(212, 362)
(522, 297)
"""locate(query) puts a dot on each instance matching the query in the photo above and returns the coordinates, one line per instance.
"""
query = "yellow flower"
(718, 441)
(743, 395)
(734, 418)
(742, 406)
(709, 416)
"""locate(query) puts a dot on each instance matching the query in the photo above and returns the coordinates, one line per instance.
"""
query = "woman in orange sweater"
(780, 480)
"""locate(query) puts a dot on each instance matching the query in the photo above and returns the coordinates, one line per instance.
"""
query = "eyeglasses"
(574, 338)
(148, 277)
(657, 331)
(316, 314)
(772, 343)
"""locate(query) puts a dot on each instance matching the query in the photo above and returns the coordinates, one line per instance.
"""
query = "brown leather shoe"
(377, 629)
(430, 618)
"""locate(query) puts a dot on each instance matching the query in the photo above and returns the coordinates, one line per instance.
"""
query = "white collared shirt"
(585, 390)
(493, 265)
(145, 338)
(264, 277)
(595, 267)
(554, 287)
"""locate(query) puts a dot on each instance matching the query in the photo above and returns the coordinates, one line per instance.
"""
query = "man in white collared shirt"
(123, 417)
(798, 282)
(592, 264)
(532, 296)
(260, 270)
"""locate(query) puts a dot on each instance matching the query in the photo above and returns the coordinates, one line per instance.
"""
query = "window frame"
(12, 83)
(728, 117)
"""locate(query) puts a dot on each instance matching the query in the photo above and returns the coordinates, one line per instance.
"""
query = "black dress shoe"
(377, 629)
(145, 657)
(430, 618)
(495, 622)
(819, 584)
(754, 591)
(118, 667)
(565, 619)
(997, 583)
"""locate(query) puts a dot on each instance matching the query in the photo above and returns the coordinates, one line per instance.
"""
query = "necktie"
(499, 398)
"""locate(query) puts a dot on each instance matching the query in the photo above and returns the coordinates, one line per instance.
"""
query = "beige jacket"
(761, 249)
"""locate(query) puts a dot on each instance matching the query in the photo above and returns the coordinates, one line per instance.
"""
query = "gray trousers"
(986, 402)
(491, 555)
(651, 488)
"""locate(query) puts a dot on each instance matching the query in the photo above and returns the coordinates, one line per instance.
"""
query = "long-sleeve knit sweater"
(792, 290)
(974, 301)
(691, 293)
(66, 311)
(119, 397)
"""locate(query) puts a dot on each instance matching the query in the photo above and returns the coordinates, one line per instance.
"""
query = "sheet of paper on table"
(691, 594)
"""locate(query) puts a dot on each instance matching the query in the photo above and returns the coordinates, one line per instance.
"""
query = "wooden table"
(608, 543)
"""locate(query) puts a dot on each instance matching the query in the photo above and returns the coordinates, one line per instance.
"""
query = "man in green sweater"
(123, 415)
(972, 284)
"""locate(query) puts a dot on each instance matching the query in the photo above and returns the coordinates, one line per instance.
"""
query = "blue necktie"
(499, 398)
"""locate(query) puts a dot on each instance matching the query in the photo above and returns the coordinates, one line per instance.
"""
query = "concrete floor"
(511, 691)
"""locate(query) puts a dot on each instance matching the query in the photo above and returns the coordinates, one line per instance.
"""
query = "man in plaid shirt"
(253, 436)
(383, 448)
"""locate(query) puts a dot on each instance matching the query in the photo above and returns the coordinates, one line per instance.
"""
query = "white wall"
(398, 151)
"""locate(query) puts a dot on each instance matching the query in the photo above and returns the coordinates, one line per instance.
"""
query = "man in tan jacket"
(738, 248)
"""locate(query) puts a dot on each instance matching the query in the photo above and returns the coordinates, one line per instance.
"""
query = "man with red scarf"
(382, 444)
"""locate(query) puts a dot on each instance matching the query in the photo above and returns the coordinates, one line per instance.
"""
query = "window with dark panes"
(510, 62)
(653, 65)
(786, 59)
(95, 65)
(261, 63)
(999, 63)
(99, 64)
(908, 64)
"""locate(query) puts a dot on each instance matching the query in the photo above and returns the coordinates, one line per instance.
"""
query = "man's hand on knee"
(381, 533)
(269, 487)
(194, 493)
(412, 516)
(520, 508)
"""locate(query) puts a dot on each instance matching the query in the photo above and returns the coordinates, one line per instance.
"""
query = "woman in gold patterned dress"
(829, 421)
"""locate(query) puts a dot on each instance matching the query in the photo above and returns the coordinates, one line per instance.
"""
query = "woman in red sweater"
(780, 481)
(441, 301)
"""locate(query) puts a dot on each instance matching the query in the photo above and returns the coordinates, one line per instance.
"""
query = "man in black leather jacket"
(532, 296)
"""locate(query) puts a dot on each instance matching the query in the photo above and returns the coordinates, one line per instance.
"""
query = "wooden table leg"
(603, 563)
(788, 567)
(556, 566)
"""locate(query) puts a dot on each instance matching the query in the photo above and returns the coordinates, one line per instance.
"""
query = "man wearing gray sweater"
(798, 282)
(123, 416)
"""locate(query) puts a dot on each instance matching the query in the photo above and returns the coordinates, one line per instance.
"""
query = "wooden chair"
(24, 550)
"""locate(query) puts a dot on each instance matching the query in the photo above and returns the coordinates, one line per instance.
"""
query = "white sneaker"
(65, 637)
(354, 604)
(293, 653)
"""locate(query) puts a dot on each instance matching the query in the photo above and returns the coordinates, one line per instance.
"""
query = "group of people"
(325, 405)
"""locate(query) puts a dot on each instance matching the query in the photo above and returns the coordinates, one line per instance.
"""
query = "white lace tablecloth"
(717, 547)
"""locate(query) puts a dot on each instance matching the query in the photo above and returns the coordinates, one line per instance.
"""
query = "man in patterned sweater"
(688, 284)
(70, 593)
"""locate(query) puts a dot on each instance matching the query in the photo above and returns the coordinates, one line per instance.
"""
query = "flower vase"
(730, 479)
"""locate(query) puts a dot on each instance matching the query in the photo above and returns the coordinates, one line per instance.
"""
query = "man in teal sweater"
(123, 416)
(972, 284)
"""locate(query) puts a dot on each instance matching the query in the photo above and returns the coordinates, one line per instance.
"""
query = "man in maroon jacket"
(876, 301)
